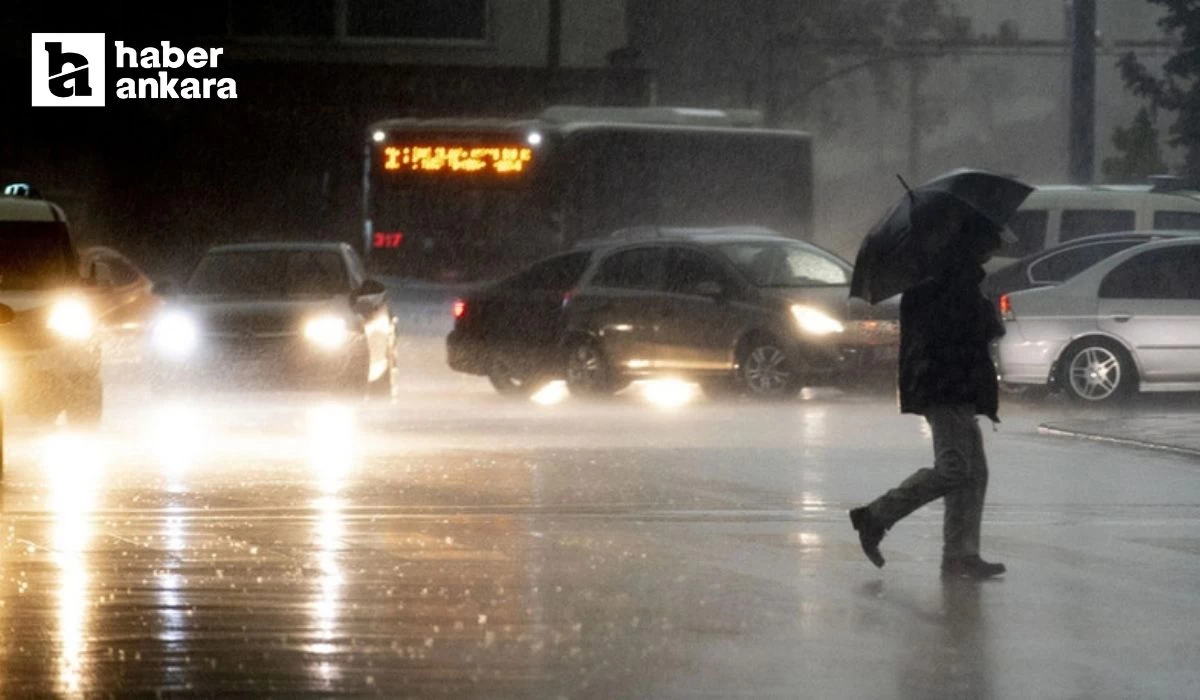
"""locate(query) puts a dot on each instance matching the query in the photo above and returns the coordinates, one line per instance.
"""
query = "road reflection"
(73, 464)
(332, 453)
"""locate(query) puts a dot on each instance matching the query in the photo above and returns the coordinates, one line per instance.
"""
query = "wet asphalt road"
(453, 543)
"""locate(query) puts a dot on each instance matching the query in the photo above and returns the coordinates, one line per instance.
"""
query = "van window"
(1029, 226)
(1177, 220)
(1077, 223)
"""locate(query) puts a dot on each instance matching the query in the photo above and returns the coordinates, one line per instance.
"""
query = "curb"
(1047, 429)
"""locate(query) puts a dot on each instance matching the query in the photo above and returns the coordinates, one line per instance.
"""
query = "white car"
(1130, 322)
(50, 351)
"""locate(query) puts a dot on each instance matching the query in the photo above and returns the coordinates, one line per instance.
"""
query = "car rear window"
(640, 268)
(1077, 223)
(1065, 264)
(558, 274)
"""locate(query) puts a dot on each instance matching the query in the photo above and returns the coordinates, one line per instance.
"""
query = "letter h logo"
(68, 70)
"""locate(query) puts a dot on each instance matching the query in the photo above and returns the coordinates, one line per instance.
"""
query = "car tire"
(1097, 371)
(765, 372)
(589, 372)
(508, 380)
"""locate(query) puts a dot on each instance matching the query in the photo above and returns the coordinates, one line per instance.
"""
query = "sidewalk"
(1174, 432)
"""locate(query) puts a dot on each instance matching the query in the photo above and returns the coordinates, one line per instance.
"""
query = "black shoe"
(971, 567)
(870, 534)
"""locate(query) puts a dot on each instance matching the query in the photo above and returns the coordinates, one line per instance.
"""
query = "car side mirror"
(163, 288)
(6, 314)
(710, 289)
(370, 288)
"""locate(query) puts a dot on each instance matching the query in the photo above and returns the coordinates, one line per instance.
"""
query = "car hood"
(837, 302)
(265, 316)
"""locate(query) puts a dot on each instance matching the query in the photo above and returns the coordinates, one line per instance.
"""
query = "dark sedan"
(293, 314)
(739, 310)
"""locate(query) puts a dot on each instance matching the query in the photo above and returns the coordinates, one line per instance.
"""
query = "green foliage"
(1139, 154)
(1177, 89)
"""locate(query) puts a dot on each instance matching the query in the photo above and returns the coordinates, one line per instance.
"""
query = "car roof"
(1084, 241)
(267, 246)
(26, 209)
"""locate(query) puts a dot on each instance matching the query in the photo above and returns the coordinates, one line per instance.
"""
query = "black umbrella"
(899, 251)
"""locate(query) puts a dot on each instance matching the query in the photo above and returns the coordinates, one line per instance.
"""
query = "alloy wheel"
(766, 371)
(1095, 373)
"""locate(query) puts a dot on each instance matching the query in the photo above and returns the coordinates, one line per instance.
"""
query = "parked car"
(294, 314)
(737, 309)
(1130, 322)
(1060, 263)
(509, 331)
(1056, 214)
(128, 302)
(50, 350)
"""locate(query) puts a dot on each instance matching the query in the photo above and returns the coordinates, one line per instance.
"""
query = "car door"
(621, 306)
(700, 322)
(1152, 301)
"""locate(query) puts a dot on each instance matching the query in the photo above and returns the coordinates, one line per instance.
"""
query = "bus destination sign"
(433, 158)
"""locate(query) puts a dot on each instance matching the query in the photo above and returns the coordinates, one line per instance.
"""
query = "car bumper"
(47, 374)
(466, 354)
(1021, 361)
(290, 361)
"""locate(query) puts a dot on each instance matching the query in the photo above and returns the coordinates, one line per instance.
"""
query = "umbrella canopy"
(900, 249)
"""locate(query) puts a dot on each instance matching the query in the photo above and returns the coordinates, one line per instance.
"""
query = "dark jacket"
(946, 330)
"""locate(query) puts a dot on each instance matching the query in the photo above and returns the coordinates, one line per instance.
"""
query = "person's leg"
(952, 450)
(964, 518)
(950, 473)
(964, 506)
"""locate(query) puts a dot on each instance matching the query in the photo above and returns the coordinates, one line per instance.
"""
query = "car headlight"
(176, 335)
(71, 319)
(815, 321)
(328, 332)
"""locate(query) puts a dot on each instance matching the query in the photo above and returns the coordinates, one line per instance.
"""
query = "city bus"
(459, 200)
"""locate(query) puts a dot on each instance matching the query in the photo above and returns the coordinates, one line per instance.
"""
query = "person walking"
(946, 375)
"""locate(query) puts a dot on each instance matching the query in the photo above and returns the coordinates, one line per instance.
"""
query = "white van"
(1054, 214)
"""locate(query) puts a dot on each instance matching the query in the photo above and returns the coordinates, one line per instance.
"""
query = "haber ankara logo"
(68, 70)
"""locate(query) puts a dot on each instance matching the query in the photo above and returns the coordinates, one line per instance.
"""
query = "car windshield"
(785, 264)
(270, 273)
(35, 255)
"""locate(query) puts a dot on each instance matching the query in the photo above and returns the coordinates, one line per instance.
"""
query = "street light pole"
(1081, 137)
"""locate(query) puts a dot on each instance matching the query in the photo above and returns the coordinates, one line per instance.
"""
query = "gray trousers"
(959, 475)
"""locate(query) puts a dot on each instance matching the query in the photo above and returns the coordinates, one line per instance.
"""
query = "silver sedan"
(1130, 322)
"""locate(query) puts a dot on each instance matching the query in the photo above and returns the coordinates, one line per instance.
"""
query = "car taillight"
(1006, 311)
(460, 309)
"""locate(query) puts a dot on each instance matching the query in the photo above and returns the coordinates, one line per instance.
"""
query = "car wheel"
(85, 405)
(765, 372)
(509, 380)
(1097, 370)
(589, 372)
